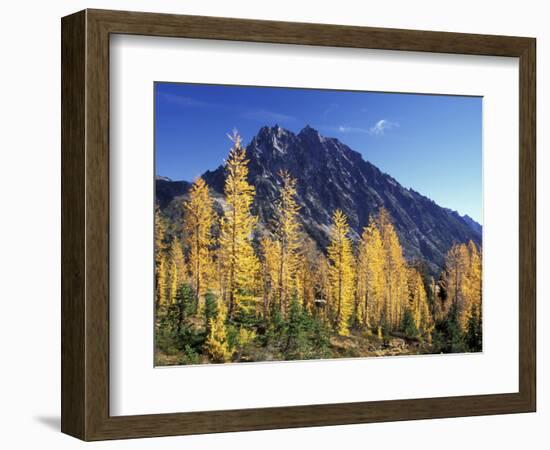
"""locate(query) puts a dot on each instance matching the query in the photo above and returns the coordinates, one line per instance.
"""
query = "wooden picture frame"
(85, 224)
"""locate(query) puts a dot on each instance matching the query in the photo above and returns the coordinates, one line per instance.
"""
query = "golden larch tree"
(269, 269)
(395, 276)
(370, 277)
(342, 271)
(457, 267)
(173, 291)
(160, 231)
(418, 302)
(475, 275)
(161, 269)
(322, 286)
(217, 343)
(286, 231)
(239, 261)
(161, 286)
(176, 256)
(199, 218)
(307, 273)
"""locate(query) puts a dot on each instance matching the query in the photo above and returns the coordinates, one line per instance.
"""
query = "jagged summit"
(308, 130)
(331, 175)
(277, 132)
(273, 130)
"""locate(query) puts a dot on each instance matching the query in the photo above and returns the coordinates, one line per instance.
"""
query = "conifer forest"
(228, 290)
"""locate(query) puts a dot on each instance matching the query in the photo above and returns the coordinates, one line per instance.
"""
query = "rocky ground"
(357, 345)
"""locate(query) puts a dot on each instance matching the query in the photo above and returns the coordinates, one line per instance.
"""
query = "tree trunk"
(366, 310)
(197, 274)
(282, 299)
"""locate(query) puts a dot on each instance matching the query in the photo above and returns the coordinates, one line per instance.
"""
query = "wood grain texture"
(527, 225)
(73, 227)
(201, 27)
(85, 224)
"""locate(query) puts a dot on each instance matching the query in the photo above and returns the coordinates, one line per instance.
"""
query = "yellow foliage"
(270, 273)
(463, 267)
(307, 274)
(161, 275)
(240, 264)
(161, 281)
(322, 283)
(418, 302)
(370, 277)
(373, 290)
(342, 273)
(199, 218)
(474, 270)
(216, 343)
(456, 264)
(160, 231)
(286, 239)
(395, 273)
(246, 336)
(173, 283)
(177, 258)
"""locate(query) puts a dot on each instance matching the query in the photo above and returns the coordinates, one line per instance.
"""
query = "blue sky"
(431, 143)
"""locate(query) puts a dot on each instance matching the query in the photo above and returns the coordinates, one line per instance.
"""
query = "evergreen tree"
(210, 309)
(184, 306)
(474, 331)
(297, 340)
(454, 335)
(284, 296)
(408, 324)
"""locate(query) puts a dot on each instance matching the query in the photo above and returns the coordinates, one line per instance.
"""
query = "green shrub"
(408, 326)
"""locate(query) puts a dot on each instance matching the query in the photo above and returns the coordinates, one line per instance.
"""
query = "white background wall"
(30, 224)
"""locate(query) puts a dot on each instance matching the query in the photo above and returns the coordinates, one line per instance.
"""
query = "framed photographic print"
(270, 225)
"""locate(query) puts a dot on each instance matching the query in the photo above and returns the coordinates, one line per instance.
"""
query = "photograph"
(312, 224)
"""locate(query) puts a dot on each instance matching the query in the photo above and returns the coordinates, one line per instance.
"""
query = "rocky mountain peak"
(331, 176)
(308, 130)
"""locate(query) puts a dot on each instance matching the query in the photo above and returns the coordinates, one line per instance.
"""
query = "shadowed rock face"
(330, 175)
(166, 190)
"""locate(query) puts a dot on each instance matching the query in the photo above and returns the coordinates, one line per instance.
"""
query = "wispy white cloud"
(347, 129)
(379, 128)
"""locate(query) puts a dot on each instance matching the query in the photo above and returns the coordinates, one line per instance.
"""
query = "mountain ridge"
(331, 175)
